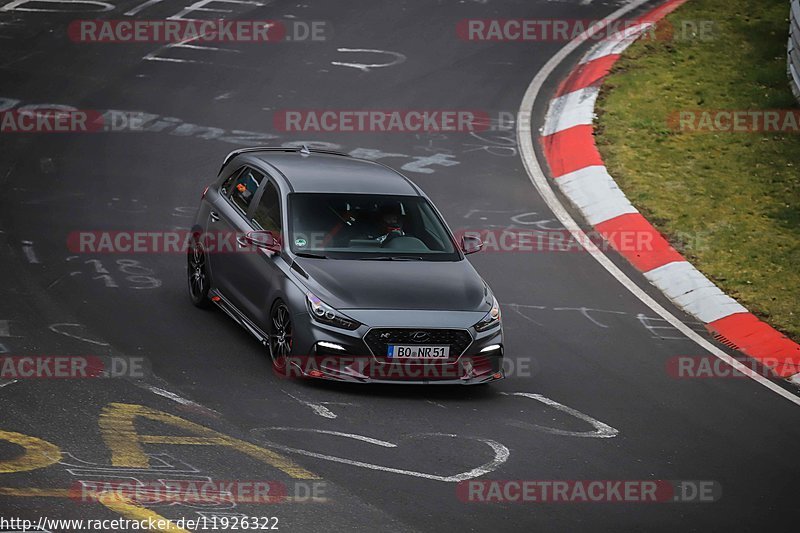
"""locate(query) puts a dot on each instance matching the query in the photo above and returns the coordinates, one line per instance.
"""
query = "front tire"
(281, 333)
(197, 270)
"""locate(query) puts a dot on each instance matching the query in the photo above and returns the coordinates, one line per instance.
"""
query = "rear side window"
(268, 211)
(244, 188)
(227, 187)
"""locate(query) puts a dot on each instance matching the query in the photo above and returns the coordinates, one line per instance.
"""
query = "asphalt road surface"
(588, 395)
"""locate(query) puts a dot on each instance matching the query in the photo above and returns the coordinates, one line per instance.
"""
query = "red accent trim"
(638, 241)
(570, 150)
(760, 341)
(574, 149)
(587, 75)
(662, 11)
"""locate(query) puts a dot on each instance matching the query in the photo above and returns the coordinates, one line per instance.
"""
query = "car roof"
(317, 172)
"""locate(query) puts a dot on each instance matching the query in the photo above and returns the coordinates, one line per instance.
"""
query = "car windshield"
(369, 227)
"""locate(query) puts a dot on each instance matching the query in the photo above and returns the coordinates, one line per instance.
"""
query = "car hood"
(423, 285)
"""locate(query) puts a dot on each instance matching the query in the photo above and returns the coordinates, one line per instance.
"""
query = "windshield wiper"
(311, 255)
(392, 258)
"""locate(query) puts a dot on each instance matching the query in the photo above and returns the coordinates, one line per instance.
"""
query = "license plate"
(417, 351)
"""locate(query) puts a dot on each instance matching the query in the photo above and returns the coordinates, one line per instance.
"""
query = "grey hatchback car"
(344, 270)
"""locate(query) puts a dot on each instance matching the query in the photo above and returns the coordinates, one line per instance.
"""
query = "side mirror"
(471, 244)
(264, 240)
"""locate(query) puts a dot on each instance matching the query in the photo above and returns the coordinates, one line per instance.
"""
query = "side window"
(245, 187)
(227, 187)
(433, 228)
(268, 211)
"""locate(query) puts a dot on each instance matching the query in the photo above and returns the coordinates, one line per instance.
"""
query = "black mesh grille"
(379, 339)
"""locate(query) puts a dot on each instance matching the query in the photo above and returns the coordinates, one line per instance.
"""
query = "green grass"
(730, 202)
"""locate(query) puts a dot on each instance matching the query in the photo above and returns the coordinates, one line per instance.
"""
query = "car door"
(261, 270)
(228, 223)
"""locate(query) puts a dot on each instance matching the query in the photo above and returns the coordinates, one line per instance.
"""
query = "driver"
(391, 222)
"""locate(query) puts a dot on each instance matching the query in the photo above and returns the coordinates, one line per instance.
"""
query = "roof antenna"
(304, 150)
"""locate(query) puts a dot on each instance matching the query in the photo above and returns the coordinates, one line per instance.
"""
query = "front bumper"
(325, 352)
(467, 371)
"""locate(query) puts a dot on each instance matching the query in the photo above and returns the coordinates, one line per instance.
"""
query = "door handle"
(214, 216)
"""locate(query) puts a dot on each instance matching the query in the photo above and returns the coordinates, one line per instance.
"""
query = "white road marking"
(585, 312)
(164, 125)
(318, 409)
(517, 219)
(151, 57)
(539, 181)
(501, 454)
(362, 438)
(602, 431)
(212, 48)
(160, 464)
(30, 254)
(57, 328)
(107, 280)
(517, 309)
(15, 6)
(172, 396)
(141, 7)
(364, 67)
(176, 398)
(647, 323)
(58, 280)
(200, 6)
(154, 56)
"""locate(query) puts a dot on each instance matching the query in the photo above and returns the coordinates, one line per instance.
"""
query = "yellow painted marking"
(117, 425)
(92, 496)
(115, 502)
(38, 453)
(132, 511)
(34, 493)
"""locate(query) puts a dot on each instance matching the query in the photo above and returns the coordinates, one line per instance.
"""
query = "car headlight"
(492, 318)
(322, 312)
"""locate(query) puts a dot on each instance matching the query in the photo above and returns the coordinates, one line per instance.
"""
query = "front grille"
(379, 339)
